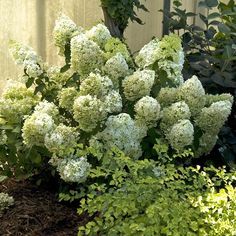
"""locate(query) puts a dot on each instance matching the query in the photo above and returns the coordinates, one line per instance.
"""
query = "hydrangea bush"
(102, 98)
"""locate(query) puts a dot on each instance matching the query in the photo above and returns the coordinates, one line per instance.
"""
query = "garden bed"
(36, 212)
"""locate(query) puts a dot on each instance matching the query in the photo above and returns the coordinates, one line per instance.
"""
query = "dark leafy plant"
(210, 53)
(117, 14)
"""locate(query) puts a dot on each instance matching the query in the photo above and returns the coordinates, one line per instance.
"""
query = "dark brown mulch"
(36, 212)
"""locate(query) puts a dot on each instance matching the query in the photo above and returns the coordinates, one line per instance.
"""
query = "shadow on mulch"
(36, 212)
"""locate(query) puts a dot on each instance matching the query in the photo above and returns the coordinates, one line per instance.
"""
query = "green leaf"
(223, 28)
(212, 3)
(213, 15)
(29, 82)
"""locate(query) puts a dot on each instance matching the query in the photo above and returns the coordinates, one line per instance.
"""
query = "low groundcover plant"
(104, 98)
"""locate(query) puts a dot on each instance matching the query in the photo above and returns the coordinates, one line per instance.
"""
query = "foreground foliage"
(143, 198)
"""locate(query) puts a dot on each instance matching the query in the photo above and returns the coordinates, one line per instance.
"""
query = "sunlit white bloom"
(89, 112)
(193, 94)
(122, 132)
(26, 56)
(62, 141)
(63, 31)
(21, 53)
(99, 34)
(113, 102)
(174, 113)
(86, 56)
(96, 85)
(47, 107)
(36, 127)
(67, 97)
(147, 55)
(32, 68)
(74, 169)
(16, 102)
(147, 111)
(167, 96)
(116, 67)
(139, 84)
(181, 135)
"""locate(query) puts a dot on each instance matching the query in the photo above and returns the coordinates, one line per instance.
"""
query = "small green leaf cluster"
(144, 198)
(123, 11)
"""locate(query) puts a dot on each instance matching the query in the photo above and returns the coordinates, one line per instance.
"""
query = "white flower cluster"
(193, 94)
(96, 85)
(212, 118)
(63, 31)
(88, 112)
(16, 102)
(5, 201)
(147, 111)
(62, 141)
(40, 123)
(148, 54)
(174, 113)
(116, 67)
(36, 127)
(139, 84)
(74, 169)
(113, 102)
(24, 55)
(167, 96)
(164, 55)
(123, 132)
(47, 107)
(67, 97)
(86, 55)
(181, 135)
(99, 34)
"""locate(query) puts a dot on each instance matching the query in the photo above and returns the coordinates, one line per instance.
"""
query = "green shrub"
(103, 98)
(142, 198)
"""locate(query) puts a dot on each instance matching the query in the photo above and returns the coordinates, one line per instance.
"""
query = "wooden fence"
(32, 21)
